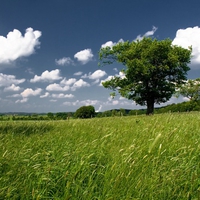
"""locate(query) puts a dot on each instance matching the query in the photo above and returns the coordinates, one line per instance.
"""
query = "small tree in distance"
(191, 89)
(85, 112)
(153, 69)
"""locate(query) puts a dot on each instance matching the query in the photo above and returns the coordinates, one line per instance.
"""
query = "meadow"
(111, 158)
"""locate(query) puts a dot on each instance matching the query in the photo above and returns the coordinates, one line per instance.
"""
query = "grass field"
(116, 158)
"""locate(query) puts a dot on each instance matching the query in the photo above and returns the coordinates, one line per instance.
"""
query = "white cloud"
(84, 76)
(84, 102)
(97, 74)
(15, 45)
(78, 73)
(108, 44)
(122, 98)
(84, 56)
(64, 61)
(107, 79)
(78, 84)
(111, 43)
(30, 92)
(45, 95)
(24, 100)
(90, 102)
(47, 76)
(121, 75)
(68, 82)
(57, 87)
(189, 37)
(99, 109)
(147, 34)
(13, 87)
(61, 95)
(7, 80)
(115, 102)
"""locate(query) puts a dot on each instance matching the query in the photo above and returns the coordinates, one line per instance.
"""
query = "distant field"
(117, 158)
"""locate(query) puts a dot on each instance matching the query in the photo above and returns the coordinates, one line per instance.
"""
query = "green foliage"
(50, 115)
(85, 112)
(152, 70)
(135, 157)
(180, 107)
(61, 115)
(190, 89)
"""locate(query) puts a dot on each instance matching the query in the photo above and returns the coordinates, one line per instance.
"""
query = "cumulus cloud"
(111, 43)
(147, 34)
(84, 102)
(45, 95)
(189, 37)
(7, 80)
(15, 45)
(13, 87)
(47, 76)
(107, 79)
(30, 92)
(78, 73)
(84, 56)
(121, 75)
(68, 82)
(24, 100)
(57, 87)
(61, 95)
(97, 74)
(78, 84)
(65, 85)
(64, 61)
(115, 102)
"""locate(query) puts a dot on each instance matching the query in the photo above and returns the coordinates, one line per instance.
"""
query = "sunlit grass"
(139, 157)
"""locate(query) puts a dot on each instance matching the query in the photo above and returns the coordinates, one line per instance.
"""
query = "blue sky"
(49, 48)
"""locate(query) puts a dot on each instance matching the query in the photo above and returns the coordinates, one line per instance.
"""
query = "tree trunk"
(150, 107)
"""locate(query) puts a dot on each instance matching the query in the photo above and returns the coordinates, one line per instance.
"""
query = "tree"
(50, 115)
(85, 112)
(122, 112)
(61, 116)
(191, 89)
(152, 70)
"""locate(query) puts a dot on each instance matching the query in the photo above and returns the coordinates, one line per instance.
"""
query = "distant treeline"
(179, 107)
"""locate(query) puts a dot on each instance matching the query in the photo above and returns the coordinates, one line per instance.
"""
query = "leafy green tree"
(152, 70)
(122, 112)
(50, 115)
(85, 112)
(61, 115)
(107, 113)
(191, 89)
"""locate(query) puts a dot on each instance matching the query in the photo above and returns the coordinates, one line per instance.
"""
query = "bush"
(85, 112)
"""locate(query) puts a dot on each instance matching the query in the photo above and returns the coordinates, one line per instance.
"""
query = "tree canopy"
(152, 70)
(85, 112)
(191, 89)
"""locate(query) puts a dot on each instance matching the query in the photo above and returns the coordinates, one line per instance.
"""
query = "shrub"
(85, 112)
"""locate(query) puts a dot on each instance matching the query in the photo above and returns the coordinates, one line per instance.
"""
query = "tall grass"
(140, 157)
